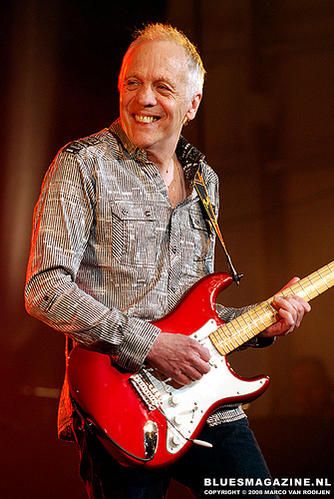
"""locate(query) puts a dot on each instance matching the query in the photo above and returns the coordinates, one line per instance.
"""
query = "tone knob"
(177, 420)
(174, 400)
(175, 441)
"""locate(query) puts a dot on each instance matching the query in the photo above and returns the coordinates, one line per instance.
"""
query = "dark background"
(266, 124)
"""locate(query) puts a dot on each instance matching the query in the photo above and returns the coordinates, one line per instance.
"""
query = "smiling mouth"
(145, 119)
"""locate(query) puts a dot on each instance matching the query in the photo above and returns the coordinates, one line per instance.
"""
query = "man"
(119, 236)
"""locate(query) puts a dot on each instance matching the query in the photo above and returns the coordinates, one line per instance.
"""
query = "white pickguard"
(184, 407)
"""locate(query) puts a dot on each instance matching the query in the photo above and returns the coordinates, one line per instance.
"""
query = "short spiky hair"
(159, 31)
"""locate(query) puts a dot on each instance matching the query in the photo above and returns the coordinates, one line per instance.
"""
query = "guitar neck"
(233, 334)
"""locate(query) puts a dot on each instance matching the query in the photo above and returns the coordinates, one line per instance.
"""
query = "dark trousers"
(235, 454)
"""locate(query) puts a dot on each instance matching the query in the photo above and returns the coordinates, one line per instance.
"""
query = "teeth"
(145, 119)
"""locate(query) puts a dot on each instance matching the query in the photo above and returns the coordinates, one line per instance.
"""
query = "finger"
(193, 374)
(194, 371)
(279, 328)
(199, 358)
(191, 368)
(194, 366)
(290, 311)
(306, 307)
(296, 301)
(293, 305)
(288, 320)
(290, 305)
(203, 352)
(181, 378)
(203, 367)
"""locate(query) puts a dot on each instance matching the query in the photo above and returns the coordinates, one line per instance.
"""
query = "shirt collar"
(189, 156)
(134, 151)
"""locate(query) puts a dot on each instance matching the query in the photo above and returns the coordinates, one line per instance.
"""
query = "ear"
(195, 102)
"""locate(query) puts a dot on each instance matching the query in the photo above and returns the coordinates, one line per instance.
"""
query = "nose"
(146, 96)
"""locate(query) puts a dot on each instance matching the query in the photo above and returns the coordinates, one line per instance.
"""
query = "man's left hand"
(291, 310)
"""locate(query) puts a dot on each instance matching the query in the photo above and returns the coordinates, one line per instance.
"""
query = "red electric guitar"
(142, 419)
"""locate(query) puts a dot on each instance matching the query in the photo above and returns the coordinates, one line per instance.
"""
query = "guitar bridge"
(146, 389)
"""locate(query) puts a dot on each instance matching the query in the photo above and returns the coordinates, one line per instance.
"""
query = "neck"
(163, 160)
(163, 156)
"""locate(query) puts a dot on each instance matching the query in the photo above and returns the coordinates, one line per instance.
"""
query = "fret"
(314, 283)
(249, 324)
(219, 345)
(239, 334)
(222, 339)
(229, 336)
(219, 333)
(305, 290)
(258, 318)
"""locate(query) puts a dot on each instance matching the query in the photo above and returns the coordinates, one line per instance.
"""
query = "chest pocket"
(196, 244)
(201, 233)
(134, 234)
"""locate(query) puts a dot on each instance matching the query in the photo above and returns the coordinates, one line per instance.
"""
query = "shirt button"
(125, 211)
(148, 213)
(173, 289)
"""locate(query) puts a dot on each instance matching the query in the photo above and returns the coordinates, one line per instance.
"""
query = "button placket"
(174, 253)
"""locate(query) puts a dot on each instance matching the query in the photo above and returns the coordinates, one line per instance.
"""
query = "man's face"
(155, 95)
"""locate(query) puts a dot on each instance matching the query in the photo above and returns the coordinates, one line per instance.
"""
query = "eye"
(131, 84)
(163, 88)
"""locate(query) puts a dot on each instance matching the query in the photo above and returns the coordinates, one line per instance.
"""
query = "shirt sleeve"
(62, 222)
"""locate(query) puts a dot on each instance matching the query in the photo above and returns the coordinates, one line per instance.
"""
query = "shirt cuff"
(260, 342)
(139, 337)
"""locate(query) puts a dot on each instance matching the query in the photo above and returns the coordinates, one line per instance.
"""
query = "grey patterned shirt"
(109, 254)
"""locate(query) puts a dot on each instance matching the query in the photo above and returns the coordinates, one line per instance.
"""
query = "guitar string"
(229, 335)
(245, 328)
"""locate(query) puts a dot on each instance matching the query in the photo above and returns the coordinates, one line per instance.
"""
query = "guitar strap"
(203, 194)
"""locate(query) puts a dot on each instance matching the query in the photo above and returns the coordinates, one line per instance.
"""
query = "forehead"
(156, 58)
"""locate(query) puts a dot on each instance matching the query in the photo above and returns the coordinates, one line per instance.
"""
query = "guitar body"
(142, 420)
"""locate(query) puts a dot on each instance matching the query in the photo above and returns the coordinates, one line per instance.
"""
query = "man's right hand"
(179, 357)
